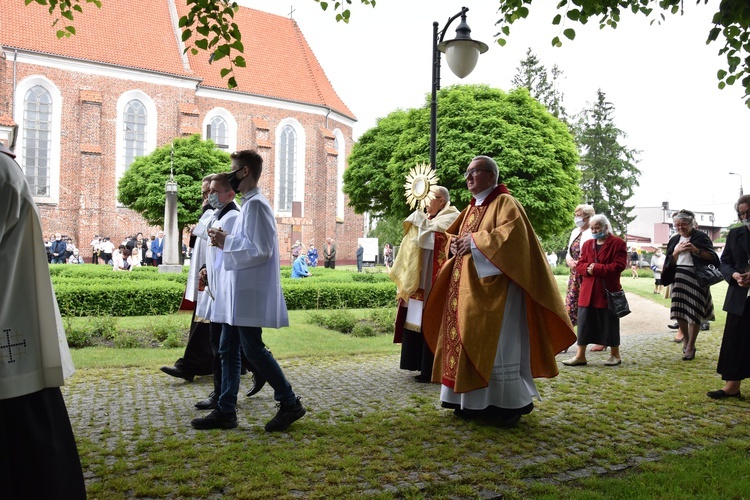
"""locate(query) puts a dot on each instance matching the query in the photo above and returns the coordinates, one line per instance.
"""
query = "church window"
(134, 122)
(218, 131)
(288, 165)
(37, 140)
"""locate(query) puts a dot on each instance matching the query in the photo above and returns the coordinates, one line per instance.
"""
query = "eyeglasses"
(474, 172)
(746, 213)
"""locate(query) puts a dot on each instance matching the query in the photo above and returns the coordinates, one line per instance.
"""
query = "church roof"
(280, 63)
(140, 34)
(135, 34)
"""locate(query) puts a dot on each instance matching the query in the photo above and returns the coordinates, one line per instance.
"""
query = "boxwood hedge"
(88, 290)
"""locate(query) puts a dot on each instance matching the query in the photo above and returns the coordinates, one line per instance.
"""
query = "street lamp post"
(461, 54)
(738, 175)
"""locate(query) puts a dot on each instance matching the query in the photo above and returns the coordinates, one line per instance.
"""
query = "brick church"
(78, 110)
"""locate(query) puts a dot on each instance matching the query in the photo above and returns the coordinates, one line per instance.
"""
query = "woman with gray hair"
(602, 260)
(691, 303)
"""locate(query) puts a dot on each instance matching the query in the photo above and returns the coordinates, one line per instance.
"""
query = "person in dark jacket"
(734, 355)
(691, 303)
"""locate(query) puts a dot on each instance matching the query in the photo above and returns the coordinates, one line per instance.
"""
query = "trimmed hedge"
(89, 290)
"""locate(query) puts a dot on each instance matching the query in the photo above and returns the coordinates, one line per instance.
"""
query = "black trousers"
(198, 358)
(38, 454)
(215, 329)
(415, 355)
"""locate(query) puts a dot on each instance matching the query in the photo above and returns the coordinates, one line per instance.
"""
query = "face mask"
(233, 181)
(213, 199)
(746, 222)
(579, 221)
(599, 236)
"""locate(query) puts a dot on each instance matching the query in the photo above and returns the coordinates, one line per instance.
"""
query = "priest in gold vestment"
(413, 271)
(494, 318)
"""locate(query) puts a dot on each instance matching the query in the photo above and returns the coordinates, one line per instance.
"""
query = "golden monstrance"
(418, 186)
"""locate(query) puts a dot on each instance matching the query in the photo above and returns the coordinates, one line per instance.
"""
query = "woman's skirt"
(734, 356)
(690, 302)
(571, 298)
(598, 326)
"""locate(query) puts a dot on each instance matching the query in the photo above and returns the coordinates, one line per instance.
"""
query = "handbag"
(706, 274)
(617, 303)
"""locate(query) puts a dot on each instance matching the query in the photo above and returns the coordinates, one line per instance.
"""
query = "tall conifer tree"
(608, 171)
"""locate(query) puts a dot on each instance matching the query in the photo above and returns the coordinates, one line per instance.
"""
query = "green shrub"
(104, 327)
(77, 336)
(363, 330)
(383, 319)
(340, 320)
(162, 330)
(97, 290)
(128, 339)
(175, 338)
(306, 294)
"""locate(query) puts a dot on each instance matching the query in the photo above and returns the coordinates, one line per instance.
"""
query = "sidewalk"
(119, 406)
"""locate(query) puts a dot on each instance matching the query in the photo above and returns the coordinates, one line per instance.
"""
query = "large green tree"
(209, 25)
(142, 187)
(535, 152)
(608, 169)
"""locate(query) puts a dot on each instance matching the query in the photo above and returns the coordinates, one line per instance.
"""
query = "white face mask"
(213, 199)
(746, 222)
(579, 221)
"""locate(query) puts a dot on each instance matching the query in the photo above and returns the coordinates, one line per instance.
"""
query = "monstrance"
(418, 187)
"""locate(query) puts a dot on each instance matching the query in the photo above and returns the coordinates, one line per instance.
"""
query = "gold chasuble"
(464, 313)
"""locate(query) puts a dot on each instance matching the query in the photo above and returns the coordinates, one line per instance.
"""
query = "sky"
(661, 80)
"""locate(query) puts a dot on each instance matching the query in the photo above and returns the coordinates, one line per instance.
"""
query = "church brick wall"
(87, 196)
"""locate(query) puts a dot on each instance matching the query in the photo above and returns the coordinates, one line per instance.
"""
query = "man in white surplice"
(254, 300)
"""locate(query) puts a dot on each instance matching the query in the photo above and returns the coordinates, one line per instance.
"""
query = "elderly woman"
(580, 235)
(602, 260)
(734, 355)
(691, 303)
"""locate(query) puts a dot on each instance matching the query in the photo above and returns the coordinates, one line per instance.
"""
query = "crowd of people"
(134, 251)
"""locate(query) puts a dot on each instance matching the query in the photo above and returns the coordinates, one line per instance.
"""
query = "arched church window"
(134, 125)
(287, 167)
(218, 131)
(37, 140)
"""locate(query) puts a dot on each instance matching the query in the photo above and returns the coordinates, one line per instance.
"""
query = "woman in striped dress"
(691, 303)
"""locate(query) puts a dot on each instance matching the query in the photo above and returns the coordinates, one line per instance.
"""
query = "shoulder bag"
(706, 274)
(617, 303)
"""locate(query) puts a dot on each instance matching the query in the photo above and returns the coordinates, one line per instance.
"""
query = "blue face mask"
(599, 236)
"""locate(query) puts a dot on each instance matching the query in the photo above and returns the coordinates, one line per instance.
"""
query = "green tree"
(210, 25)
(142, 187)
(533, 76)
(535, 152)
(608, 169)
(388, 230)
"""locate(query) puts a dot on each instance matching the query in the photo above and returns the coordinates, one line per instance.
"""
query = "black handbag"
(706, 274)
(617, 303)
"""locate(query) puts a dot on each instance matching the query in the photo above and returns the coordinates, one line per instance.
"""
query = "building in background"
(81, 109)
(653, 227)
